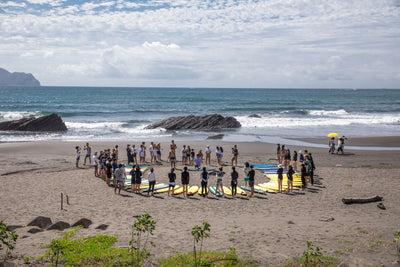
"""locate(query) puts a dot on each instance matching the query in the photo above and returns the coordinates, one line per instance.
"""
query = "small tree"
(141, 230)
(311, 255)
(199, 233)
(396, 240)
(7, 239)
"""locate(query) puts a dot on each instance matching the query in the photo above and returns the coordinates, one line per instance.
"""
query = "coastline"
(270, 228)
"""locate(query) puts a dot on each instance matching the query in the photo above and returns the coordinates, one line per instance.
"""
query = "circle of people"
(106, 166)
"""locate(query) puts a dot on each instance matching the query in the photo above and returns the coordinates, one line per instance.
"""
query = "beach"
(269, 228)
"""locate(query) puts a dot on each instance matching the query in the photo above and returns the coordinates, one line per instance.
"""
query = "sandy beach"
(269, 228)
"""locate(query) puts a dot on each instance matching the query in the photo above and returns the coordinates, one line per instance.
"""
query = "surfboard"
(213, 191)
(257, 166)
(194, 170)
(165, 189)
(192, 190)
(156, 187)
(255, 190)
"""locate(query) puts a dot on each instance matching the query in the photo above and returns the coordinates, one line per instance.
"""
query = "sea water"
(112, 114)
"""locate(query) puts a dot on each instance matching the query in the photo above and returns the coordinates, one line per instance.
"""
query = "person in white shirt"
(152, 181)
(96, 164)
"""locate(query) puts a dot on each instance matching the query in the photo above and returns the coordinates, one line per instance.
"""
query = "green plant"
(27, 260)
(7, 239)
(199, 233)
(311, 254)
(141, 230)
(396, 240)
(86, 251)
(312, 257)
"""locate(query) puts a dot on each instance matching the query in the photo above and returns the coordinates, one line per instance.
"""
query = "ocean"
(113, 114)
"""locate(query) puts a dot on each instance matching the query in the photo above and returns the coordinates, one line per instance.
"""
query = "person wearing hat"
(185, 181)
(120, 178)
(280, 177)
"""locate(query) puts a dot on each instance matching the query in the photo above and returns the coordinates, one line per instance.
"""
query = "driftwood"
(361, 200)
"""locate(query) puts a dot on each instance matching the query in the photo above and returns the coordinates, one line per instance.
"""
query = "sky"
(204, 43)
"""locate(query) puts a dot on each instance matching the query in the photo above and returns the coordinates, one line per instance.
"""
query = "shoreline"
(270, 228)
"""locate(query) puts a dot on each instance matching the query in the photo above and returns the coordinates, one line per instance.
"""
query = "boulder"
(215, 137)
(49, 123)
(255, 116)
(41, 222)
(11, 228)
(191, 122)
(102, 227)
(60, 225)
(83, 222)
(35, 230)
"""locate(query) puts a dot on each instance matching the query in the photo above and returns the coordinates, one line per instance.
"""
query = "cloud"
(205, 43)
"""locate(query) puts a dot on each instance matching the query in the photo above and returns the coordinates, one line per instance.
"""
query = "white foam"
(16, 115)
(328, 112)
(93, 125)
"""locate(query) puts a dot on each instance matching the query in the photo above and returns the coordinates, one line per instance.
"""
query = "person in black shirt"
(185, 181)
(234, 176)
(204, 179)
(133, 179)
(303, 175)
(252, 174)
(280, 177)
(290, 179)
(172, 178)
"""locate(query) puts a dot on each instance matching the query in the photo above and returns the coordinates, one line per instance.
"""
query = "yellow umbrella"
(332, 134)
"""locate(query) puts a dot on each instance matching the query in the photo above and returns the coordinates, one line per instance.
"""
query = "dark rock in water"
(255, 116)
(191, 122)
(218, 136)
(60, 225)
(11, 228)
(35, 230)
(102, 227)
(41, 222)
(17, 79)
(83, 222)
(49, 123)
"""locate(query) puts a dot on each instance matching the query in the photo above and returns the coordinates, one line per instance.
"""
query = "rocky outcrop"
(41, 222)
(17, 79)
(49, 123)
(255, 116)
(85, 223)
(191, 122)
(60, 225)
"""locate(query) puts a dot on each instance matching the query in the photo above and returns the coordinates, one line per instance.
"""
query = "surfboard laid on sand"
(255, 190)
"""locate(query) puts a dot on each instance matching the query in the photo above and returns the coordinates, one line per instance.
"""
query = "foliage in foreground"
(87, 251)
(7, 239)
(396, 240)
(209, 258)
(312, 257)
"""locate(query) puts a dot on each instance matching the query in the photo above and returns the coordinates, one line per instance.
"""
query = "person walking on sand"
(138, 179)
(219, 184)
(88, 153)
(332, 145)
(341, 144)
(172, 158)
(290, 179)
(152, 181)
(120, 178)
(204, 180)
(234, 180)
(208, 155)
(252, 175)
(96, 164)
(185, 181)
(171, 185)
(246, 171)
(280, 177)
(235, 154)
(77, 155)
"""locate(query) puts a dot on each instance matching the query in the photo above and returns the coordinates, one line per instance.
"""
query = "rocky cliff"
(17, 79)
(49, 123)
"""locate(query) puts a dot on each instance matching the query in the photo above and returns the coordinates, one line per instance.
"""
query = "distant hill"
(17, 79)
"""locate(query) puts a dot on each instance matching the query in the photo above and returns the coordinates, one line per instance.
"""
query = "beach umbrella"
(332, 135)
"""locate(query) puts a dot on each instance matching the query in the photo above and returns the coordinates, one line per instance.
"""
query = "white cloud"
(229, 43)
(12, 4)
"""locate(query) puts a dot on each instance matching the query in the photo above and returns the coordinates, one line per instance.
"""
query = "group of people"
(106, 166)
(340, 145)
(290, 162)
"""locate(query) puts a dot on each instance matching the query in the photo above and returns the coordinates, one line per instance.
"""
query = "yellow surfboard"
(192, 190)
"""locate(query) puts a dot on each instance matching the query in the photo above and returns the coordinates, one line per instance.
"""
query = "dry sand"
(270, 228)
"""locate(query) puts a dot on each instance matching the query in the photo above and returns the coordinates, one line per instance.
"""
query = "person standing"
(171, 185)
(142, 154)
(204, 180)
(278, 153)
(208, 155)
(218, 155)
(220, 184)
(235, 154)
(116, 152)
(246, 171)
(172, 158)
(280, 177)
(109, 171)
(294, 161)
(303, 176)
(184, 155)
(88, 153)
(252, 175)
(77, 155)
(234, 180)
(96, 164)
(332, 145)
(290, 179)
(159, 152)
(133, 179)
(129, 154)
(185, 181)
(120, 178)
(152, 181)
(172, 145)
(138, 179)
(287, 158)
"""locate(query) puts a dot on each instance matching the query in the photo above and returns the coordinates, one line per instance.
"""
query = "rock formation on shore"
(191, 122)
(49, 123)
(17, 79)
